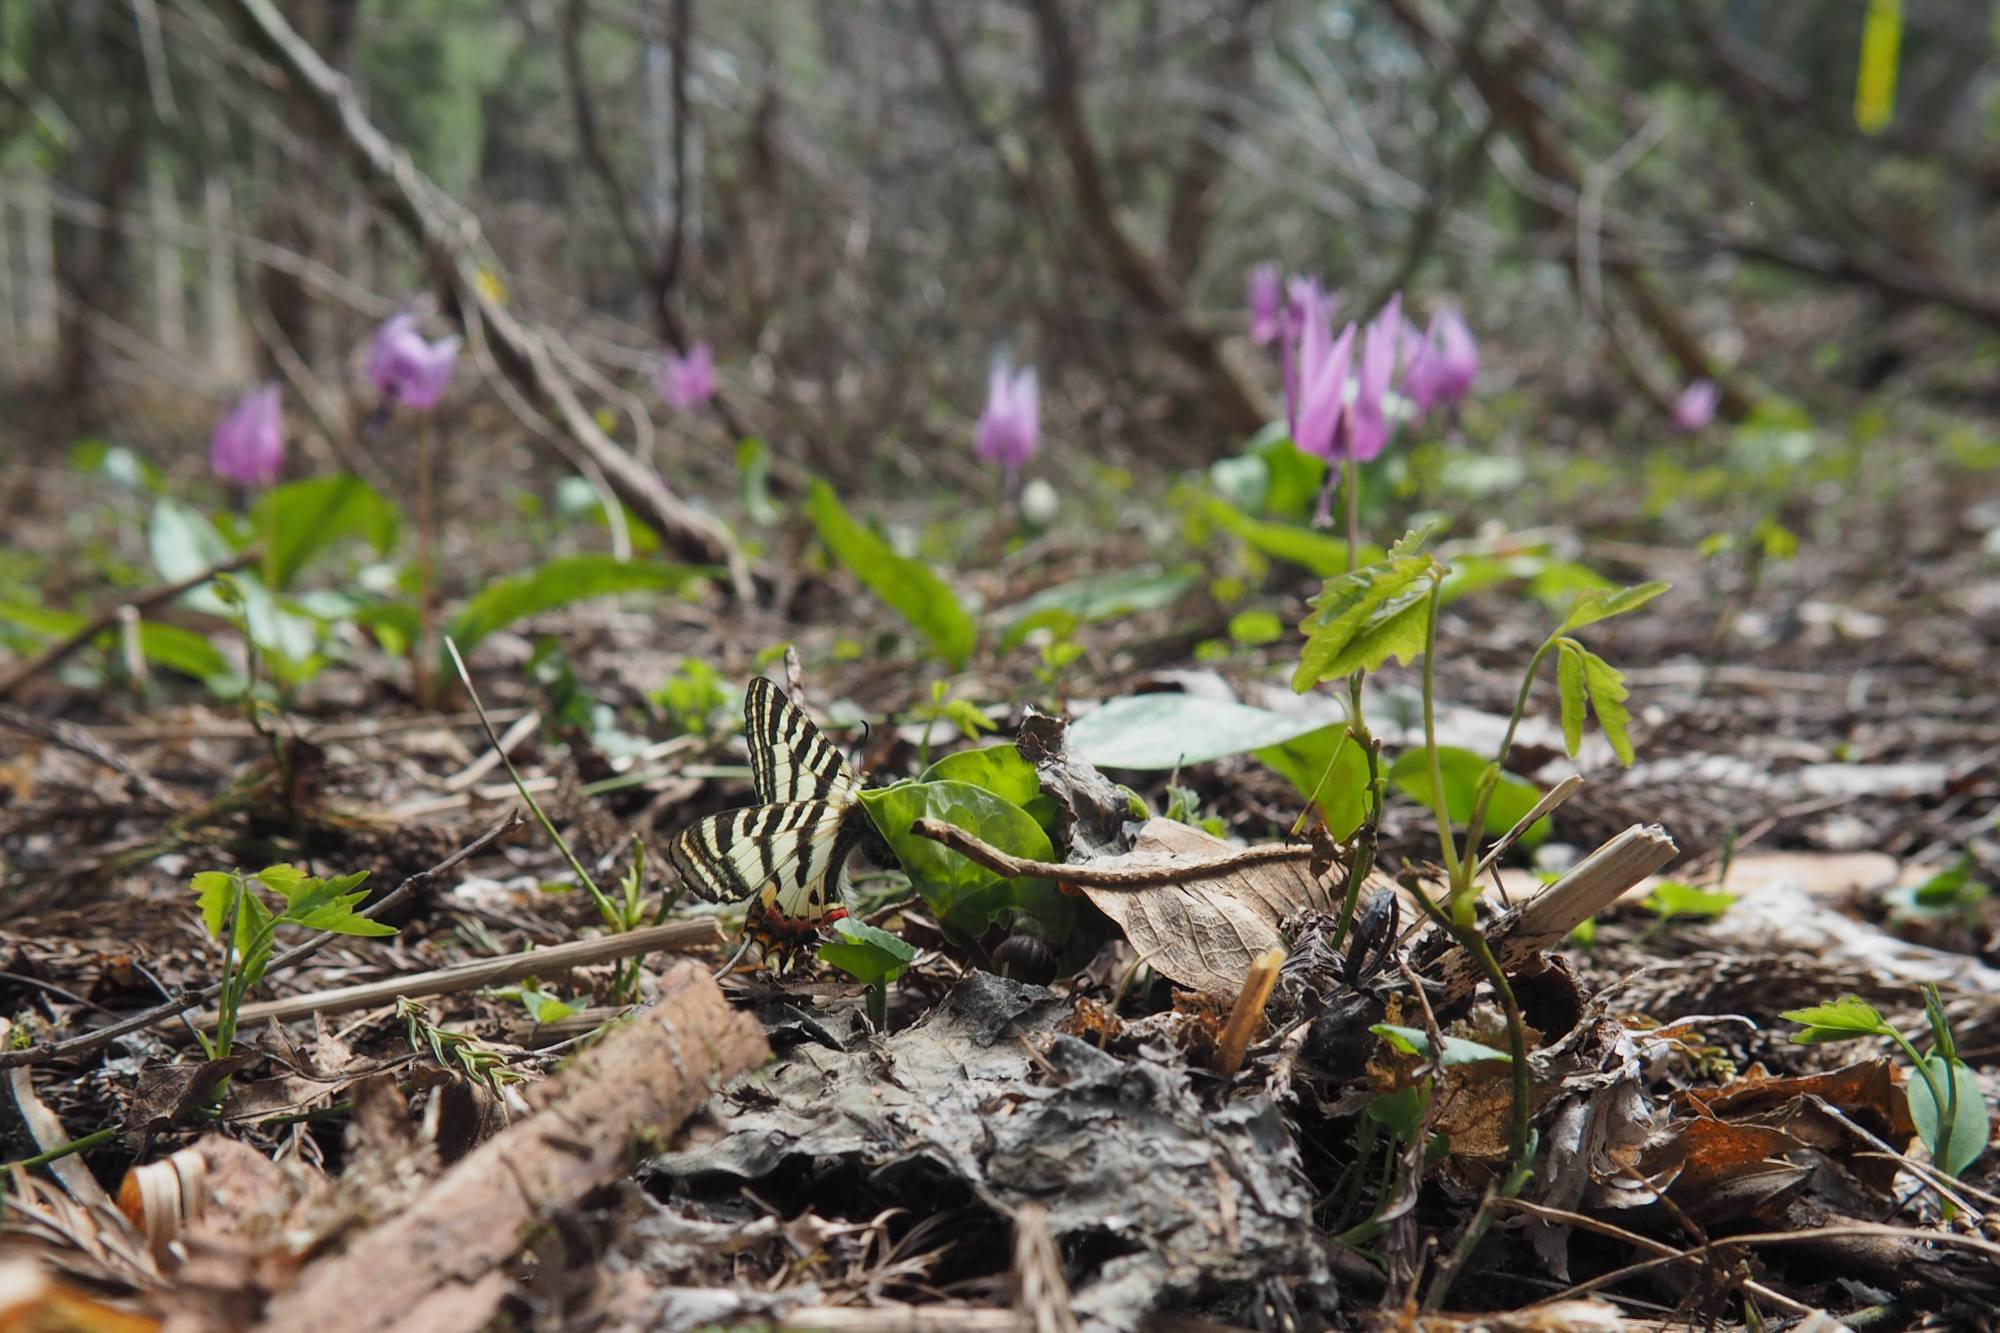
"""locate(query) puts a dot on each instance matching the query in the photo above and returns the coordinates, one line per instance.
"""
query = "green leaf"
(182, 542)
(753, 482)
(1402, 1112)
(1462, 771)
(999, 769)
(212, 890)
(561, 582)
(1969, 1127)
(1363, 618)
(544, 1007)
(1569, 683)
(1596, 606)
(1342, 798)
(1949, 889)
(963, 894)
(304, 518)
(1457, 1050)
(868, 954)
(1315, 552)
(1607, 699)
(323, 904)
(1100, 597)
(1253, 628)
(1842, 1020)
(911, 589)
(168, 646)
(1671, 898)
(1167, 730)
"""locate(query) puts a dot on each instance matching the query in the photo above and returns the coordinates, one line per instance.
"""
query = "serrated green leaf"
(1843, 1019)
(281, 879)
(1969, 1127)
(211, 895)
(907, 587)
(1361, 616)
(1607, 699)
(867, 953)
(1417, 1042)
(1569, 684)
(1596, 606)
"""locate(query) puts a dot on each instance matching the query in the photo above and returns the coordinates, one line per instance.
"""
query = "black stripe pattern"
(785, 853)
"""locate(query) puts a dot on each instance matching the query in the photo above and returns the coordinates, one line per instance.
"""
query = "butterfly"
(784, 854)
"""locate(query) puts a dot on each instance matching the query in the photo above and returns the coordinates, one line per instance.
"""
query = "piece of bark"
(439, 1265)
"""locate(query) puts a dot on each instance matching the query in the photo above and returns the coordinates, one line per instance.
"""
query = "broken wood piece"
(1519, 937)
(1248, 1012)
(483, 972)
(439, 1265)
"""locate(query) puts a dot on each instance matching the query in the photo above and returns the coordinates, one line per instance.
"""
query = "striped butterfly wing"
(784, 858)
(789, 759)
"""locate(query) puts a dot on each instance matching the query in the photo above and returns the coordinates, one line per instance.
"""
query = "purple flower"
(1266, 297)
(1695, 407)
(1365, 428)
(1316, 385)
(248, 445)
(1440, 364)
(407, 370)
(1010, 426)
(686, 381)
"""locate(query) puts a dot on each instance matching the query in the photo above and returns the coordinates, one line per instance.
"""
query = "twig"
(186, 1000)
(1543, 1212)
(78, 740)
(107, 617)
(1100, 876)
(483, 972)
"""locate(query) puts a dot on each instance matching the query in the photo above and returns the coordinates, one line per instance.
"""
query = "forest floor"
(1817, 732)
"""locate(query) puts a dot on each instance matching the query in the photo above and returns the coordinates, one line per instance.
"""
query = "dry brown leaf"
(1205, 931)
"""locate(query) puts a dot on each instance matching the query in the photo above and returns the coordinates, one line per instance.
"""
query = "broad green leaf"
(1969, 1126)
(303, 518)
(396, 625)
(1844, 1019)
(282, 879)
(1165, 731)
(867, 953)
(1100, 597)
(544, 1007)
(965, 895)
(1952, 887)
(1607, 699)
(1462, 770)
(168, 646)
(561, 582)
(1671, 898)
(1457, 1050)
(909, 588)
(1316, 552)
(182, 542)
(1000, 769)
(1569, 683)
(1342, 796)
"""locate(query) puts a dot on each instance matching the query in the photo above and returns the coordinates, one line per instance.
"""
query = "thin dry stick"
(48, 1133)
(185, 1000)
(1248, 1011)
(106, 618)
(1545, 1213)
(483, 972)
(1102, 876)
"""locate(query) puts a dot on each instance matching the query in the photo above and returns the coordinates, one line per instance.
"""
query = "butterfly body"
(783, 856)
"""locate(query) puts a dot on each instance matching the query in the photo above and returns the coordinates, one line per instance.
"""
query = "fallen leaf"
(1204, 931)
